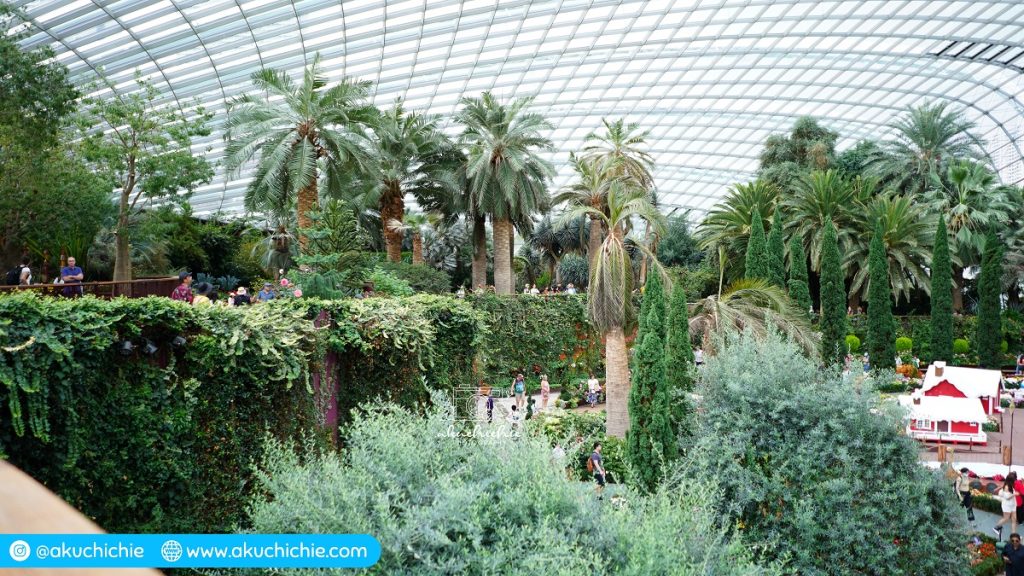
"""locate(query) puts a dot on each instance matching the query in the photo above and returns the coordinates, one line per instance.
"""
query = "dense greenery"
(650, 443)
(758, 265)
(941, 292)
(833, 300)
(880, 325)
(776, 250)
(798, 289)
(791, 446)
(440, 505)
(989, 329)
(679, 362)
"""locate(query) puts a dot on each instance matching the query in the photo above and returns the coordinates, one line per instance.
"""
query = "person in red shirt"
(183, 292)
(1018, 491)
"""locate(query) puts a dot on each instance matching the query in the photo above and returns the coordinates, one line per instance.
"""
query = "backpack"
(590, 465)
(14, 276)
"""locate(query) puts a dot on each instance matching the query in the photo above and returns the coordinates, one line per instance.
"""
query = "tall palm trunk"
(616, 362)
(512, 259)
(392, 211)
(502, 256)
(417, 247)
(122, 254)
(479, 252)
(958, 289)
(594, 243)
(308, 200)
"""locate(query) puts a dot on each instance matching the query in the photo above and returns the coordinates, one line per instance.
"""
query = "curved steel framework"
(710, 79)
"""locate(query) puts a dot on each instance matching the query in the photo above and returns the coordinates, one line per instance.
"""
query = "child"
(514, 418)
(490, 407)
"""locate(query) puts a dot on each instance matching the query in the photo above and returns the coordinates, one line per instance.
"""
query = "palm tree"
(306, 136)
(972, 204)
(728, 224)
(416, 223)
(506, 175)
(928, 138)
(619, 148)
(907, 238)
(411, 150)
(610, 291)
(818, 197)
(589, 189)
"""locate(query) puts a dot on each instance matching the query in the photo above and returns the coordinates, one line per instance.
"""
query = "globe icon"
(171, 551)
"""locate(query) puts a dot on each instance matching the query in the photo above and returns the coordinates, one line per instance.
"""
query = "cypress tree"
(679, 361)
(881, 329)
(990, 332)
(757, 250)
(777, 252)
(942, 297)
(650, 442)
(798, 289)
(833, 300)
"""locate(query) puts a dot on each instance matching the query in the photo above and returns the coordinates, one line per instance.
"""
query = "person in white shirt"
(593, 390)
(698, 356)
(534, 290)
(514, 418)
(1008, 504)
(25, 277)
(570, 289)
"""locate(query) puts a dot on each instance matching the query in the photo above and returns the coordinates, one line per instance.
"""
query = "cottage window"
(923, 424)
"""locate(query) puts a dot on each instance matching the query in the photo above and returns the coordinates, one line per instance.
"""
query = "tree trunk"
(502, 260)
(479, 252)
(643, 258)
(417, 247)
(558, 270)
(512, 258)
(617, 382)
(392, 212)
(308, 200)
(854, 301)
(958, 289)
(122, 254)
(594, 242)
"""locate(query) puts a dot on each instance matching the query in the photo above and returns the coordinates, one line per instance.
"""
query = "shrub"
(790, 445)
(485, 505)
(990, 426)
(574, 269)
(420, 277)
(904, 344)
(852, 344)
(386, 283)
(960, 346)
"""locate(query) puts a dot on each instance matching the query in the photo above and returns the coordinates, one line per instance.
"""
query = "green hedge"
(919, 330)
(166, 443)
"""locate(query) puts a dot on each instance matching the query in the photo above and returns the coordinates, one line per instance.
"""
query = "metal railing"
(140, 288)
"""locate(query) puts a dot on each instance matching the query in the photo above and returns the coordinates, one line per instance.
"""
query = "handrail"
(139, 288)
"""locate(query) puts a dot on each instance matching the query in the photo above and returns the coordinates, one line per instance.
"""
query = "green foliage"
(798, 289)
(420, 277)
(679, 367)
(552, 334)
(162, 443)
(387, 283)
(904, 344)
(574, 269)
(334, 261)
(961, 346)
(790, 445)
(942, 296)
(650, 442)
(776, 252)
(833, 299)
(880, 324)
(989, 325)
(677, 246)
(441, 505)
(852, 343)
(757, 263)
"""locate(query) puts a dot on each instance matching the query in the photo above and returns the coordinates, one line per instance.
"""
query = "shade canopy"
(710, 79)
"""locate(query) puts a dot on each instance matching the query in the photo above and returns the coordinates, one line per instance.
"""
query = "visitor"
(183, 292)
(1013, 556)
(267, 294)
(25, 273)
(1018, 493)
(1008, 505)
(72, 274)
(490, 407)
(962, 485)
(526, 289)
(593, 390)
(915, 362)
(460, 293)
(570, 289)
(860, 310)
(545, 391)
(558, 455)
(596, 466)
(867, 362)
(242, 297)
(698, 356)
(1020, 364)
(203, 292)
(514, 418)
(534, 291)
(519, 389)
(479, 289)
(558, 288)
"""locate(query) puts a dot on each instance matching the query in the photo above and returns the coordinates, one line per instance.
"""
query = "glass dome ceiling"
(710, 79)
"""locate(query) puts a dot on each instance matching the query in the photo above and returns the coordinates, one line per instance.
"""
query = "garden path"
(1011, 434)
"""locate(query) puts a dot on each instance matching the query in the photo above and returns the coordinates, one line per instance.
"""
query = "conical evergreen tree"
(650, 442)
(941, 347)
(757, 250)
(990, 332)
(881, 328)
(798, 289)
(777, 252)
(833, 300)
(679, 362)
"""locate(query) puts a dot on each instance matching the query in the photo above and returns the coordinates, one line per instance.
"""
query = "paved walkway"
(1011, 434)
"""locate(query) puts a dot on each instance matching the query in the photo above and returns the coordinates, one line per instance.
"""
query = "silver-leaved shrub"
(819, 469)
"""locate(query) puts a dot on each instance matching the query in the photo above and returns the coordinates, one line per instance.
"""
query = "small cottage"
(945, 419)
(957, 382)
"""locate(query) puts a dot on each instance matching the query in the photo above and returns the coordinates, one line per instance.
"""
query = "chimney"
(917, 400)
(938, 368)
